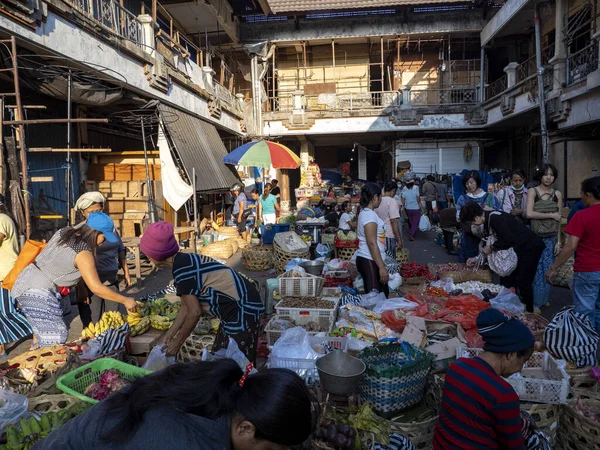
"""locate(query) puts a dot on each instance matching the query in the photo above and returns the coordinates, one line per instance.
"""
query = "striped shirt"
(479, 410)
(230, 297)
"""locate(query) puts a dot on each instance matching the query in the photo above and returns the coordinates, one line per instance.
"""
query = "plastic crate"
(268, 232)
(324, 317)
(306, 286)
(541, 380)
(307, 368)
(76, 382)
(273, 335)
(332, 291)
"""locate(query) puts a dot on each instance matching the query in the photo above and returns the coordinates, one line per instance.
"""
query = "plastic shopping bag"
(508, 301)
(424, 224)
(370, 300)
(14, 408)
(158, 359)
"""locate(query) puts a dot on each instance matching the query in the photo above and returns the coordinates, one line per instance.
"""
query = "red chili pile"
(414, 270)
(436, 292)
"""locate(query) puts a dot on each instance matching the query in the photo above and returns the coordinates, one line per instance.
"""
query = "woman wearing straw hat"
(208, 286)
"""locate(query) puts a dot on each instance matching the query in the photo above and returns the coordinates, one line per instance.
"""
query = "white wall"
(437, 157)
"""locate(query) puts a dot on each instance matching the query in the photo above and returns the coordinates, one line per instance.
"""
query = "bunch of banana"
(140, 327)
(160, 323)
(110, 319)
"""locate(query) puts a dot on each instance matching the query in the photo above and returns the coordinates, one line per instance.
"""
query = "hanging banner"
(175, 190)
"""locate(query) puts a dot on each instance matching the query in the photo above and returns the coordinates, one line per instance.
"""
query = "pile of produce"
(27, 432)
(139, 325)
(451, 267)
(277, 324)
(110, 382)
(477, 286)
(110, 319)
(347, 235)
(306, 302)
(162, 313)
(415, 270)
(587, 410)
(436, 292)
(340, 436)
(535, 324)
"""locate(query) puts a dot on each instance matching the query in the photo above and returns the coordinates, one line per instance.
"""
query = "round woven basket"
(345, 253)
(191, 350)
(234, 244)
(219, 250)
(282, 257)
(242, 243)
(576, 432)
(403, 256)
(228, 231)
(539, 335)
(546, 417)
(257, 258)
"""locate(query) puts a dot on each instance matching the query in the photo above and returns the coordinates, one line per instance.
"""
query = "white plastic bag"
(391, 304)
(336, 264)
(157, 359)
(293, 343)
(395, 281)
(424, 224)
(92, 349)
(14, 408)
(294, 265)
(447, 284)
(359, 284)
(508, 301)
(356, 344)
(370, 300)
(323, 251)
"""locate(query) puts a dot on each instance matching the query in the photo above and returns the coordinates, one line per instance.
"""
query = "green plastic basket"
(76, 382)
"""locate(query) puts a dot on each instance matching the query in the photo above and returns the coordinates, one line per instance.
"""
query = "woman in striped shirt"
(479, 409)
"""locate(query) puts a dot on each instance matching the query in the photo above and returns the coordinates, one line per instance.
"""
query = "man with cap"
(479, 409)
(205, 286)
(67, 258)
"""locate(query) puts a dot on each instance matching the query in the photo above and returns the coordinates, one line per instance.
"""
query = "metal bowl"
(339, 372)
(313, 267)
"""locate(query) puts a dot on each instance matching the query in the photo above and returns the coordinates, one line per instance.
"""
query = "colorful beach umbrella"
(263, 154)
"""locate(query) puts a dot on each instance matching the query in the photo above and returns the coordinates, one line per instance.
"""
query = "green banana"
(13, 437)
(34, 425)
(45, 423)
(25, 428)
(54, 420)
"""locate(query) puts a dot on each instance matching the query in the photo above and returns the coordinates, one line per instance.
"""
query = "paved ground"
(423, 250)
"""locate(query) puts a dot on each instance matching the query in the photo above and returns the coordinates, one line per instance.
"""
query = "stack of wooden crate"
(127, 205)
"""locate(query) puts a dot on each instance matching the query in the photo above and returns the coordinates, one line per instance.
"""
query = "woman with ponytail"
(584, 241)
(204, 405)
(370, 255)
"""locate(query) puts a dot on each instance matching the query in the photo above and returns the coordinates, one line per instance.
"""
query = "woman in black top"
(510, 233)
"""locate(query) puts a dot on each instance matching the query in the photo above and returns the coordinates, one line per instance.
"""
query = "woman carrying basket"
(205, 285)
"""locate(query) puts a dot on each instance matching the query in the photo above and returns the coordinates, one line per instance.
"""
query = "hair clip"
(249, 368)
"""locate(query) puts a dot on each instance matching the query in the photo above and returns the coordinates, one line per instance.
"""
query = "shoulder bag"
(502, 262)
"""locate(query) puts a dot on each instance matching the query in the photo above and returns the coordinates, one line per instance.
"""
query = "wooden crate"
(143, 344)
(122, 172)
(123, 189)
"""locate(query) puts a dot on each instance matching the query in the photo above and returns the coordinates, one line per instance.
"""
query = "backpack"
(545, 227)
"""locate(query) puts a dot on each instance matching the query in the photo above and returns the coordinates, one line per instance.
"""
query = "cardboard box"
(416, 332)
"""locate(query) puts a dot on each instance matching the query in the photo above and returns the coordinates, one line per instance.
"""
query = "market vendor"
(240, 211)
(510, 232)
(347, 221)
(479, 408)
(109, 258)
(205, 285)
(205, 405)
(67, 258)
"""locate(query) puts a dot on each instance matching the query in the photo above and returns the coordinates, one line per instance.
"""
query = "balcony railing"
(497, 87)
(443, 97)
(580, 64)
(111, 17)
(351, 101)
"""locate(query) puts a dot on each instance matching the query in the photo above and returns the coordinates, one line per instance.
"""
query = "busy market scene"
(299, 225)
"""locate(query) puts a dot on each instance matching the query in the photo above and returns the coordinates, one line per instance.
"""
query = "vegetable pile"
(415, 270)
(341, 436)
(306, 302)
(110, 382)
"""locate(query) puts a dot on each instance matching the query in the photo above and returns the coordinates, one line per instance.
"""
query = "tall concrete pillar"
(559, 60)
(285, 190)
(362, 163)
(511, 74)
(148, 33)
(406, 104)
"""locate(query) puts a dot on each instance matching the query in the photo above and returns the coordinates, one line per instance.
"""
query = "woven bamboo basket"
(51, 403)
(345, 253)
(564, 275)
(234, 244)
(546, 417)
(403, 256)
(242, 243)
(576, 432)
(257, 258)
(282, 257)
(462, 276)
(191, 350)
(219, 250)
(583, 384)
(228, 231)
(539, 335)
(46, 359)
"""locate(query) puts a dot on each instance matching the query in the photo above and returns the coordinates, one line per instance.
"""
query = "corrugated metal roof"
(198, 144)
(304, 6)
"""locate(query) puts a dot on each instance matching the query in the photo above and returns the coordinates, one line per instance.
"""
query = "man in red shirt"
(585, 239)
